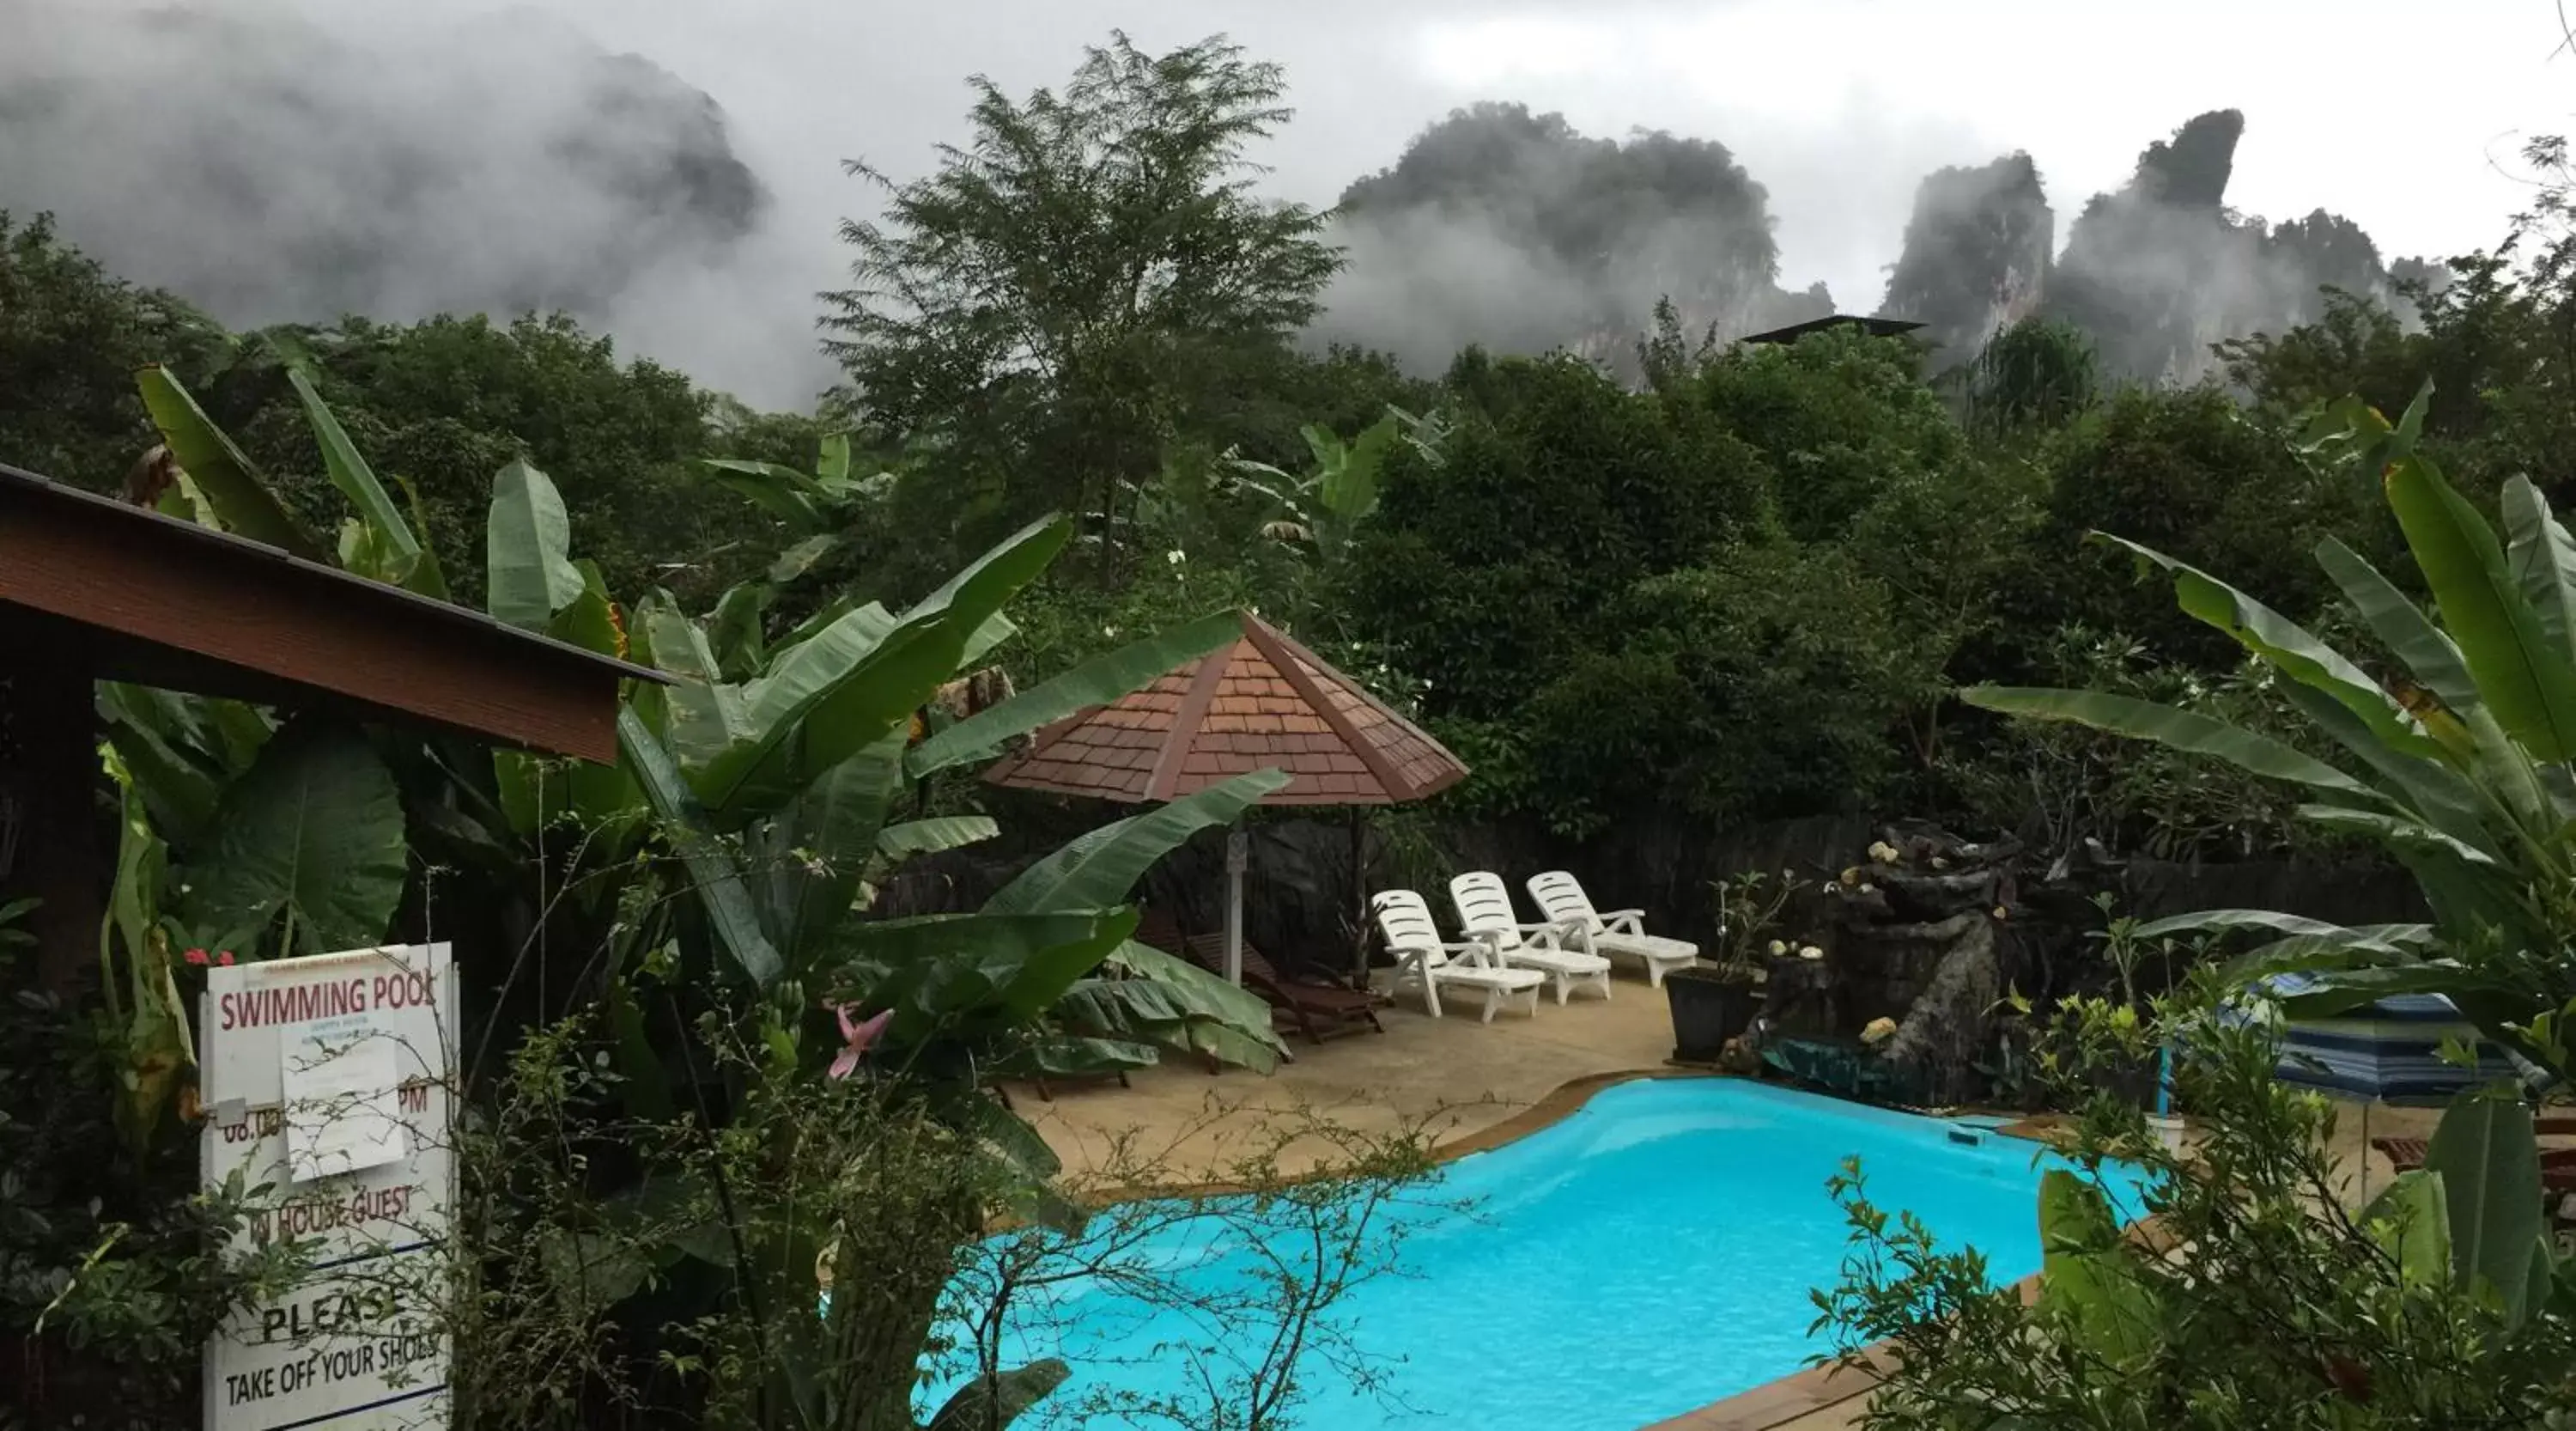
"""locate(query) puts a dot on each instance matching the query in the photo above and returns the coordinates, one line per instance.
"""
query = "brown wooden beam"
(299, 631)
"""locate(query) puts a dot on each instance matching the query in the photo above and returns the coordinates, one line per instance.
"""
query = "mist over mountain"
(2156, 271)
(270, 170)
(1977, 251)
(1512, 230)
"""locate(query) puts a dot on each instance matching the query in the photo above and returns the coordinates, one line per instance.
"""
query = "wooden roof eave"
(141, 596)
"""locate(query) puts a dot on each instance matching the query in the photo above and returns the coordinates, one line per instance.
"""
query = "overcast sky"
(2368, 107)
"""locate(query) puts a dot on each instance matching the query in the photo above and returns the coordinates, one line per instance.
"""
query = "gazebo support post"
(1359, 899)
(1237, 855)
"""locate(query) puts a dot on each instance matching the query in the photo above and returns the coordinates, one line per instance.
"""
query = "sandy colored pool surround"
(1482, 1086)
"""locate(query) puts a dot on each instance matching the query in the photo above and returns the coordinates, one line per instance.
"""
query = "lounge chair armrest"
(1624, 921)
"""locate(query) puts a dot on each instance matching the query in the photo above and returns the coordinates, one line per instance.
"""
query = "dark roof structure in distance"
(1875, 327)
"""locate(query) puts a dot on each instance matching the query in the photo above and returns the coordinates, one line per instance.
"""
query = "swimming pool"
(1648, 1255)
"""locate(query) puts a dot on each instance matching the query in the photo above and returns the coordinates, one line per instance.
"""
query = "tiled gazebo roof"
(1262, 701)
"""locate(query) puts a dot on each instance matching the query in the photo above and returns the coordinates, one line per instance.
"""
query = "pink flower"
(856, 1036)
(196, 957)
(225, 958)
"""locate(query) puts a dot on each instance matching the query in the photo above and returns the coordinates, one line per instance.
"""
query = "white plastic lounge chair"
(1485, 912)
(1423, 958)
(1620, 934)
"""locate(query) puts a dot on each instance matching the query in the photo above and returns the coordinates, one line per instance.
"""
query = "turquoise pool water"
(1644, 1257)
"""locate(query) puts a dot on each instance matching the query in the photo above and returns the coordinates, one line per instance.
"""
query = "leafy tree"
(1763, 683)
(1075, 284)
(2040, 372)
(71, 335)
(2463, 753)
(2188, 472)
(1487, 571)
(1838, 415)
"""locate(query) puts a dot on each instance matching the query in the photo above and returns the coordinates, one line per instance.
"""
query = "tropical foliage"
(2457, 766)
(2253, 1289)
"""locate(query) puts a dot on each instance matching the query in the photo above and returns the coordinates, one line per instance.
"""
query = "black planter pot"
(1709, 1007)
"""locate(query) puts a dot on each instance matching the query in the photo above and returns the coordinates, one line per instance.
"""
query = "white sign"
(327, 1079)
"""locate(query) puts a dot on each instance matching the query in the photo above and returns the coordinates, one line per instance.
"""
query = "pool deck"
(1469, 1085)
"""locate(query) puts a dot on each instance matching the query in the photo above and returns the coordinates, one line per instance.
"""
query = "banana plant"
(1325, 506)
(2458, 764)
(817, 507)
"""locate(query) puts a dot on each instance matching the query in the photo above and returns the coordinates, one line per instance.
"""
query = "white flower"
(1778, 948)
(1811, 952)
(1109, 633)
(1867, 888)
(1176, 556)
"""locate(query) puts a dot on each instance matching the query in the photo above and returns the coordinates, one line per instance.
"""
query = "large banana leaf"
(734, 631)
(808, 861)
(929, 836)
(2408, 633)
(801, 557)
(802, 671)
(2442, 796)
(972, 975)
(705, 715)
(2086, 1277)
(313, 832)
(783, 492)
(2489, 1160)
(2525, 678)
(2282, 643)
(221, 473)
(171, 760)
(2411, 1222)
(1174, 1004)
(712, 875)
(528, 545)
(1095, 682)
(357, 481)
(2391, 938)
(2543, 559)
(2180, 729)
(1099, 868)
(1196, 992)
(838, 706)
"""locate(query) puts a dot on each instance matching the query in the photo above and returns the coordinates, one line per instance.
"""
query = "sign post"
(327, 1080)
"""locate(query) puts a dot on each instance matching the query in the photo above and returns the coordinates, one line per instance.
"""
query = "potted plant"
(2141, 1079)
(1716, 1001)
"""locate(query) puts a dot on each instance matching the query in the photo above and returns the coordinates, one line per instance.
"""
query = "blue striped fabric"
(2389, 1050)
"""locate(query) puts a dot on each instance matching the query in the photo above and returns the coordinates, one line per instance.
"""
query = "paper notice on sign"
(341, 1095)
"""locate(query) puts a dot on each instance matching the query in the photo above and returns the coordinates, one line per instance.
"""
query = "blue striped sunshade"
(2389, 1051)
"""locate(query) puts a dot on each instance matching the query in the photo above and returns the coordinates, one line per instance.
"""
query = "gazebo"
(93, 589)
(1259, 702)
